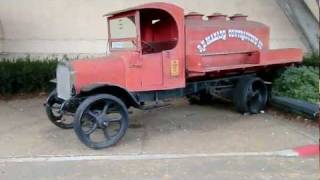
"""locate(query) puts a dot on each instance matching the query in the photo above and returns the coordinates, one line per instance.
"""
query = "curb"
(303, 151)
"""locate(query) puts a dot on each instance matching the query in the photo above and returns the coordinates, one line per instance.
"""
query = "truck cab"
(157, 37)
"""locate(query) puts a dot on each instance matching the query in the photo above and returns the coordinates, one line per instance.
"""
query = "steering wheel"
(147, 46)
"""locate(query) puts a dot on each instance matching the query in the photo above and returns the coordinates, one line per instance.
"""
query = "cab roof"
(171, 8)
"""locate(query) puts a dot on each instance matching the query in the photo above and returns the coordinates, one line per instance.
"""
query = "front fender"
(128, 98)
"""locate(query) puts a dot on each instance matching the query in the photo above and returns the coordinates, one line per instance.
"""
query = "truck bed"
(233, 61)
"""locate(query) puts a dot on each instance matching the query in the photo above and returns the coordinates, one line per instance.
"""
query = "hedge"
(299, 83)
(312, 60)
(26, 75)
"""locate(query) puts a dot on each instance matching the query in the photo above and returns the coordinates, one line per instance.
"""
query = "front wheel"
(101, 121)
(53, 110)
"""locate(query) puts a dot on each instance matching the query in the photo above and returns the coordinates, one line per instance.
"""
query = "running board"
(156, 106)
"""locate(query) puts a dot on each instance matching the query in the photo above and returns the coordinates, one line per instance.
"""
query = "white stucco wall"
(1, 37)
(77, 26)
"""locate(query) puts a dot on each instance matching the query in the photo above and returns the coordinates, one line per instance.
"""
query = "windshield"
(123, 33)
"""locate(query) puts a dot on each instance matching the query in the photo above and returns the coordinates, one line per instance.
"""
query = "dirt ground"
(176, 142)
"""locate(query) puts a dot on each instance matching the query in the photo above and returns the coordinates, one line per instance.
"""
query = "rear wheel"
(101, 121)
(250, 95)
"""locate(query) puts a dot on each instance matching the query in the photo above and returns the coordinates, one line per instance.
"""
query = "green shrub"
(26, 75)
(312, 60)
(298, 82)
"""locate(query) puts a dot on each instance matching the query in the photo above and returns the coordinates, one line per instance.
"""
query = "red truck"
(157, 53)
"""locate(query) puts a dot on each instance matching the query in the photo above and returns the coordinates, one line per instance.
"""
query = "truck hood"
(105, 70)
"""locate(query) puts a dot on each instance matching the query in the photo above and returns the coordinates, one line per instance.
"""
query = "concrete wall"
(77, 26)
(314, 7)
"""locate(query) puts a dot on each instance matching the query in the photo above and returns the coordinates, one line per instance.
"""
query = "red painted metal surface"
(308, 150)
(171, 48)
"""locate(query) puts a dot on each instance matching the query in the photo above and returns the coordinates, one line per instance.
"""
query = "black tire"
(55, 117)
(95, 112)
(250, 95)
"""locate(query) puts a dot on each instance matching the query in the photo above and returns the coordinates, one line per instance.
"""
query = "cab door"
(152, 71)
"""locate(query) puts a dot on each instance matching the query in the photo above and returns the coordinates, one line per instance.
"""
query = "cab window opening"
(159, 31)
(123, 33)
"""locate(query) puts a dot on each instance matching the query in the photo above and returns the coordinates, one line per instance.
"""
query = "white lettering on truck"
(230, 33)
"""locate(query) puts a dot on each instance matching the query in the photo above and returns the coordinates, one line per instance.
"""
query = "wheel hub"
(103, 121)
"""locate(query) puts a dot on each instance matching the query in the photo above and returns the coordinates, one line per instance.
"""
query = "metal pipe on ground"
(300, 107)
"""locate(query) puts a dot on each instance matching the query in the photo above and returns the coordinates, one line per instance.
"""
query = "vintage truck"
(158, 53)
